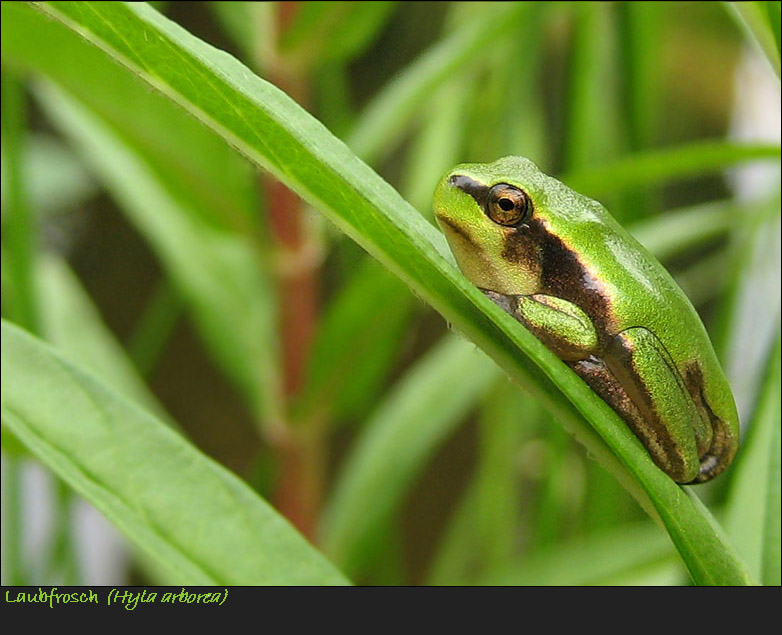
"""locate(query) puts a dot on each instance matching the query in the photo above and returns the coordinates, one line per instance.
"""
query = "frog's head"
(484, 211)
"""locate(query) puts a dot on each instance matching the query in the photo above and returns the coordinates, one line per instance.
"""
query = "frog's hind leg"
(664, 416)
(600, 379)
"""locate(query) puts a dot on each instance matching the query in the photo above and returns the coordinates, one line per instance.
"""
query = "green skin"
(594, 296)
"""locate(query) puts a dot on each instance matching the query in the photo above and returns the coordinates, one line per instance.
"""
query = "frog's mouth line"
(456, 229)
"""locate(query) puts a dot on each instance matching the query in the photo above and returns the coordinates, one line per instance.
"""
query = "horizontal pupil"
(506, 204)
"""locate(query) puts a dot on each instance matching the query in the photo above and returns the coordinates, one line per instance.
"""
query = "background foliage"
(191, 348)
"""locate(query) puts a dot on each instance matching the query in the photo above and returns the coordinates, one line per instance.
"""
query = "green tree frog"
(562, 266)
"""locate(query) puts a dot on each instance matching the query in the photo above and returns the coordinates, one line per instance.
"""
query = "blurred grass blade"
(752, 516)
(273, 131)
(72, 324)
(395, 444)
(436, 147)
(671, 164)
(772, 559)
(189, 513)
(210, 244)
(640, 76)
(19, 251)
(358, 341)
(678, 230)
(591, 118)
(761, 19)
(522, 126)
(20, 230)
(507, 417)
(185, 150)
(332, 31)
(749, 319)
(153, 329)
(217, 272)
(249, 24)
(58, 182)
(386, 116)
(632, 554)
(638, 31)
(483, 532)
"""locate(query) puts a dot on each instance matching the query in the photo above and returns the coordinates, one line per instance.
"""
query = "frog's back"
(620, 285)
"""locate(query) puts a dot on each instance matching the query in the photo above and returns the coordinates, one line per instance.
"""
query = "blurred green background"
(283, 351)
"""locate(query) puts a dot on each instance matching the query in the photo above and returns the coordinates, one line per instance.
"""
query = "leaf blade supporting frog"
(563, 267)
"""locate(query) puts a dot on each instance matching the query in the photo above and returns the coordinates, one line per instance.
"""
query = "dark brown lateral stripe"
(563, 274)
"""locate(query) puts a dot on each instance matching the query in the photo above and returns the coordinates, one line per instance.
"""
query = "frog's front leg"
(564, 328)
(631, 371)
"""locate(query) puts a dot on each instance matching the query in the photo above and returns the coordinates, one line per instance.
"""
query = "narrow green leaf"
(185, 150)
(507, 416)
(57, 181)
(189, 513)
(761, 20)
(217, 272)
(153, 328)
(334, 96)
(678, 230)
(752, 516)
(357, 342)
(72, 325)
(20, 231)
(454, 561)
(591, 120)
(270, 129)
(640, 77)
(749, 317)
(624, 555)
(13, 563)
(638, 30)
(522, 126)
(247, 23)
(484, 531)
(436, 147)
(332, 31)
(659, 166)
(706, 280)
(772, 558)
(386, 116)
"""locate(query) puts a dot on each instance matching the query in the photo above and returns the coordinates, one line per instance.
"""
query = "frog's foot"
(717, 458)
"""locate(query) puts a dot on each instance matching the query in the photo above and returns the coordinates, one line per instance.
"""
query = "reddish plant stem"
(298, 497)
(299, 449)
(287, 11)
(297, 281)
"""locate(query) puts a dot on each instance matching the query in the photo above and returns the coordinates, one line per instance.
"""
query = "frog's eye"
(507, 205)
